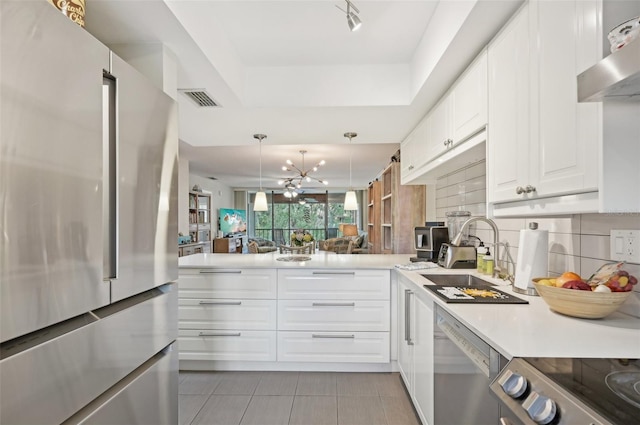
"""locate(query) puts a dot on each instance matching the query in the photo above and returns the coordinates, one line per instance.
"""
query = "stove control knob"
(541, 409)
(513, 384)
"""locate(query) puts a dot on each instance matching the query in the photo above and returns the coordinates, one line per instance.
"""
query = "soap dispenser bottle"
(488, 263)
(481, 252)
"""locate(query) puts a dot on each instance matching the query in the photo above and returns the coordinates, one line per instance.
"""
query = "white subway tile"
(457, 177)
(477, 170)
(560, 263)
(475, 197)
(569, 224)
(477, 183)
(595, 246)
(564, 243)
(601, 224)
(510, 223)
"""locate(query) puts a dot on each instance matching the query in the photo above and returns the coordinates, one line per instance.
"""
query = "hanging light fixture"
(352, 19)
(350, 201)
(260, 202)
(291, 183)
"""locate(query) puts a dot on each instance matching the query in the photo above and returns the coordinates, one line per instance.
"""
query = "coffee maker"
(428, 239)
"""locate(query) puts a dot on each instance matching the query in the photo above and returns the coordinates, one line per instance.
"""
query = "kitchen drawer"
(334, 284)
(228, 283)
(227, 314)
(227, 345)
(331, 315)
(334, 347)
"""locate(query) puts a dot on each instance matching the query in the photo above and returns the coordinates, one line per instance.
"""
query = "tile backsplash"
(578, 243)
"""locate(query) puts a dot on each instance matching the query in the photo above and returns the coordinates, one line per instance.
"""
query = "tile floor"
(294, 398)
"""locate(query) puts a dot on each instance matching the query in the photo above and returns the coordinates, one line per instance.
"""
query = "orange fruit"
(567, 277)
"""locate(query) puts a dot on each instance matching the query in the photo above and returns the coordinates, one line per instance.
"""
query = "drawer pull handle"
(333, 336)
(219, 334)
(220, 271)
(220, 302)
(333, 304)
(334, 273)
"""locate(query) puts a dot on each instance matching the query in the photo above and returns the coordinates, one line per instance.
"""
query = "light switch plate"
(625, 245)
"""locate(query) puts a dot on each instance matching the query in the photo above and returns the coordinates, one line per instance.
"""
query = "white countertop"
(516, 330)
(321, 259)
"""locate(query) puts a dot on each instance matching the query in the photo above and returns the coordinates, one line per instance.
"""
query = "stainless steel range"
(571, 391)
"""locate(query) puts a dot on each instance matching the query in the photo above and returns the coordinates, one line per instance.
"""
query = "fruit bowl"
(582, 304)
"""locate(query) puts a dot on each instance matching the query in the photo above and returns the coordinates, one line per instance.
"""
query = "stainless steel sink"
(456, 279)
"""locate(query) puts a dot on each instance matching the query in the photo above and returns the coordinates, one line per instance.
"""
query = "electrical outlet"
(625, 245)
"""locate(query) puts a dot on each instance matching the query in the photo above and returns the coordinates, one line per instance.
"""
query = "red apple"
(577, 284)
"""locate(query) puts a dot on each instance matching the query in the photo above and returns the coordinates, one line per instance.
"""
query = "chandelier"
(295, 182)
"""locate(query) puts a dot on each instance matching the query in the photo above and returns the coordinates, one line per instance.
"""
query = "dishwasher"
(464, 367)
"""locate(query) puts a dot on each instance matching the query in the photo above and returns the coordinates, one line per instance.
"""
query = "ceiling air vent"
(200, 97)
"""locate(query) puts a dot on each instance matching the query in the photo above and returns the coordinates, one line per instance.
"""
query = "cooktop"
(474, 294)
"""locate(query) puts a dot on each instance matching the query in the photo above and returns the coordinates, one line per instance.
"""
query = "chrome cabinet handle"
(334, 273)
(333, 336)
(219, 334)
(528, 188)
(407, 316)
(220, 303)
(520, 190)
(333, 304)
(220, 271)
(505, 421)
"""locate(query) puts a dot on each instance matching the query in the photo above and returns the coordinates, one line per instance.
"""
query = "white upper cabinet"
(543, 144)
(459, 115)
(469, 101)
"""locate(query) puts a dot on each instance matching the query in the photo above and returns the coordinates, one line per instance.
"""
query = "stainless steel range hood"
(616, 77)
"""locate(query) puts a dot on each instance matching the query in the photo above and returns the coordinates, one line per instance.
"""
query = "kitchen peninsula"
(529, 330)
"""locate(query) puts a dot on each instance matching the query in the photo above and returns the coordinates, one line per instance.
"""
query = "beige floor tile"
(316, 383)
(268, 410)
(314, 410)
(222, 410)
(390, 384)
(399, 411)
(200, 383)
(277, 383)
(238, 383)
(360, 410)
(189, 406)
(356, 384)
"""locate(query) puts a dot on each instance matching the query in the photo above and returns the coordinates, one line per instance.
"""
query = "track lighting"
(353, 20)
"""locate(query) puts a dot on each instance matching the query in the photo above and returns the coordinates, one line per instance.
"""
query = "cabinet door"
(438, 129)
(508, 130)
(414, 152)
(228, 283)
(423, 359)
(309, 284)
(566, 133)
(405, 349)
(469, 101)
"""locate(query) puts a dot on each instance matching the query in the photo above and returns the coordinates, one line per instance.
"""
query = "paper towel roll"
(533, 256)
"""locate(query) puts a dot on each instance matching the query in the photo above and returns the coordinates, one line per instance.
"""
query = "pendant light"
(350, 201)
(260, 202)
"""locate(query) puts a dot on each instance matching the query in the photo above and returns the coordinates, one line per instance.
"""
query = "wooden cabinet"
(237, 244)
(402, 208)
(373, 217)
(440, 137)
(227, 315)
(200, 217)
(194, 248)
(543, 144)
(415, 349)
(336, 316)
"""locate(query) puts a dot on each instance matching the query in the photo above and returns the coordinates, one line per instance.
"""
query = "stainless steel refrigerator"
(88, 255)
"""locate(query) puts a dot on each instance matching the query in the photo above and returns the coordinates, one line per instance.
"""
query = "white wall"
(222, 196)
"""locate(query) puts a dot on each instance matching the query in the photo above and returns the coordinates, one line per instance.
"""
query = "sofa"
(260, 245)
(346, 244)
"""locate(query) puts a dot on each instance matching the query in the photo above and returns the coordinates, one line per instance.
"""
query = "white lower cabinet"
(301, 315)
(333, 347)
(227, 314)
(415, 349)
(221, 345)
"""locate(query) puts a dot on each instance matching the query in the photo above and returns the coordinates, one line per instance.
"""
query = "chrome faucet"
(457, 240)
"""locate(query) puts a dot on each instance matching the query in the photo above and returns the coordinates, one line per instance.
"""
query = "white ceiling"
(293, 70)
